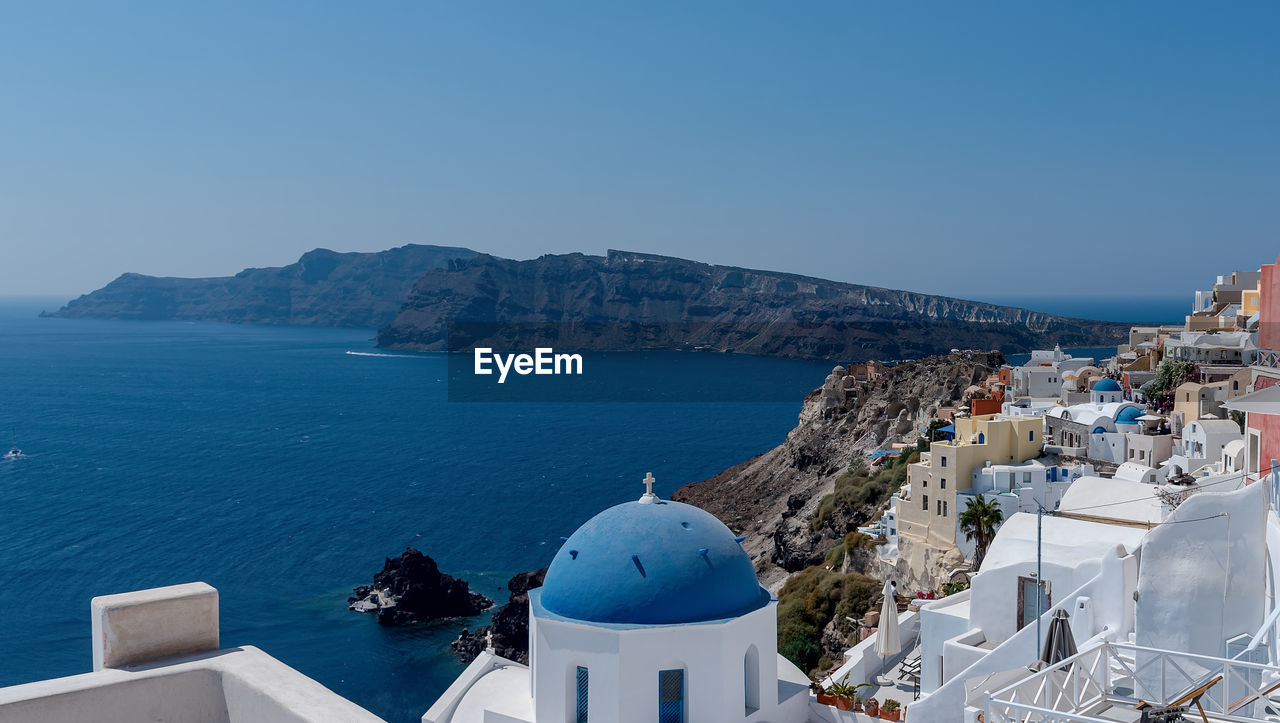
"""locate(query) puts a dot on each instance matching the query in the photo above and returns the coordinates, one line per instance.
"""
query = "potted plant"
(892, 710)
(857, 697)
(843, 693)
(871, 707)
(824, 698)
(845, 696)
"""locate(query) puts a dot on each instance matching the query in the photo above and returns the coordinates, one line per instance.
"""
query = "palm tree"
(979, 522)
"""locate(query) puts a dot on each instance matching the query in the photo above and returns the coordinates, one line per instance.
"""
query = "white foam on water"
(389, 356)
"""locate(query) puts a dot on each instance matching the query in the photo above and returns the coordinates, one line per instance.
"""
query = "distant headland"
(323, 288)
(622, 301)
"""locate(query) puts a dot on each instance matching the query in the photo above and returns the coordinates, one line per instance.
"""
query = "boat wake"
(389, 356)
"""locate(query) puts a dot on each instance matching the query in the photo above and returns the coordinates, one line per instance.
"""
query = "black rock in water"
(411, 589)
(509, 626)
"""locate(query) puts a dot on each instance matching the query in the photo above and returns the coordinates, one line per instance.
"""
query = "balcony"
(1106, 683)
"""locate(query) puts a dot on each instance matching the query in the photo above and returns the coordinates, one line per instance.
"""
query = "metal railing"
(1082, 687)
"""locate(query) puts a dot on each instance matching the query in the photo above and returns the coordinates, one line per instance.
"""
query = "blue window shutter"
(582, 694)
(671, 696)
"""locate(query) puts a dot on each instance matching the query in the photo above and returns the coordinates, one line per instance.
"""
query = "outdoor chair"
(1173, 711)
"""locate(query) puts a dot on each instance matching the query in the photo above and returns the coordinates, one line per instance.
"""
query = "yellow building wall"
(1003, 440)
(1249, 301)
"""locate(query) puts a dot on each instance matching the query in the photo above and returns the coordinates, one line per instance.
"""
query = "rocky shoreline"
(508, 629)
(411, 589)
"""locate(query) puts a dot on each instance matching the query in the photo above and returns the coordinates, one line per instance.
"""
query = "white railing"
(1082, 687)
(1273, 478)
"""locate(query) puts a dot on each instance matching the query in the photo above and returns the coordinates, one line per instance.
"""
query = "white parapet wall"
(156, 657)
(136, 627)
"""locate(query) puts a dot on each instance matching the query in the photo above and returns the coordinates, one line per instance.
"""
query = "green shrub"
(858, 489)
(808, 602)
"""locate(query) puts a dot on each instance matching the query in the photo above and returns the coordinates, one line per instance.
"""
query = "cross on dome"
(648, 497)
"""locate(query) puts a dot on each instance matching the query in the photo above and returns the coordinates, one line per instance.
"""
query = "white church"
(651, 611)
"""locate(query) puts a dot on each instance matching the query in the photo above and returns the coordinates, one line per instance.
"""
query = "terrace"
(1108, 683)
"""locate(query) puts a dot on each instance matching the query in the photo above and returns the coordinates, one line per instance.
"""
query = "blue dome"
(1129, 415)
(1106, 385)
(652, 564)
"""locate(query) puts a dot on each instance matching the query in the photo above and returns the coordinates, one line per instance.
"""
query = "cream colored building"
(1201, 401)
(929, 514)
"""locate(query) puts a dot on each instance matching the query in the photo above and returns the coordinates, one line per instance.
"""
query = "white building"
(1028, 407)
(1037, 382)
(1138, 472)
(651, 611)
(156, 657)
(960, 630)
(1204, 439)
(1161, 596)
(1042, 376)
(1021, 487)
(1201, 450)
(1095, 429)
(1230, 348)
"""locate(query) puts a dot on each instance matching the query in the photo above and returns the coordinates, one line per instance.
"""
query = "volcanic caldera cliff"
(772, 498)
(632, 301)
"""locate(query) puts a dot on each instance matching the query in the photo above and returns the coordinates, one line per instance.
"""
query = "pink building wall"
(1269, 307)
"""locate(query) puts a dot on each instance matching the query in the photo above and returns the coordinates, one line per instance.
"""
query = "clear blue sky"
(970, 149)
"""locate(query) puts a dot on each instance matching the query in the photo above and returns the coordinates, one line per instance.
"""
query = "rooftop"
(156, 658)
(652, 562)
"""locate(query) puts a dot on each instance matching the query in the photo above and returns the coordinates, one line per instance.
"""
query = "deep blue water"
(273, 465)
(1130, 308)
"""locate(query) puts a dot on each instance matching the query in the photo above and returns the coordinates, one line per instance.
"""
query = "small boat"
(13, 453)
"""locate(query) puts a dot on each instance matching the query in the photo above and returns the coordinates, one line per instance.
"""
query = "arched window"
(581, 697)
(751, 679)
(1031, 435)
(982, 438)
(671, 696)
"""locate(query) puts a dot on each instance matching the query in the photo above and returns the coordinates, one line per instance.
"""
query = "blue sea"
(281, 469)
(1130, 309)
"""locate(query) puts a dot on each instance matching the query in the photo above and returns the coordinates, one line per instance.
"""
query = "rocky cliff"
(772, 499)
(508, 629)
(324, 288)
(628, 301)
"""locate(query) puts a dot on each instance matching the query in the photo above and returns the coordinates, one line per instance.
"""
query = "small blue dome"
(1106, 385)
(652, 564)
(1129, 415)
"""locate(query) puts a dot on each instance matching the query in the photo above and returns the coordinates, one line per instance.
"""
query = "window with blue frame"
(582, 695)
(671, 696)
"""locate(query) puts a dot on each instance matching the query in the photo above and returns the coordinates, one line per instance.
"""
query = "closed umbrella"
(887, 641)
(1059, 644)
